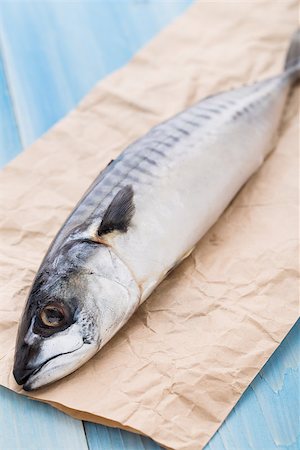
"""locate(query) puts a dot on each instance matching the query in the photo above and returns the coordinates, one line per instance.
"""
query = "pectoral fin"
(119, 213)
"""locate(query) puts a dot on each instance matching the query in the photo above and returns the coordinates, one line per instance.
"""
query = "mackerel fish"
(144, 214)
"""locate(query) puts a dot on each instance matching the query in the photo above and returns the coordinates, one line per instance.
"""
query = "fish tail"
(292, 61)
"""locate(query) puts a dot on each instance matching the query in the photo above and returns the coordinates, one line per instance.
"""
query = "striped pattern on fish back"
(142, 161)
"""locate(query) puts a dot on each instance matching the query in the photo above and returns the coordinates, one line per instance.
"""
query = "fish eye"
(53, 316)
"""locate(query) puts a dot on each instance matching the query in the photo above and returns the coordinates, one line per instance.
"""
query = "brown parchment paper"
(178, 367)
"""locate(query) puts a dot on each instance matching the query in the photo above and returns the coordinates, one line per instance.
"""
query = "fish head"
(78, 300)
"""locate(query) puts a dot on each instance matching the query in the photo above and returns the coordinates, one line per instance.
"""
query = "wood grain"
(30, 425)
(56, 51)
(104, 438)
(51, 54)
(10, 144)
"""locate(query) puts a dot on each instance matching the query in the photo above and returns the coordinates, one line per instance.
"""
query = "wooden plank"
(30, 425)
(61, 49)
(10, 144)
(105, 438)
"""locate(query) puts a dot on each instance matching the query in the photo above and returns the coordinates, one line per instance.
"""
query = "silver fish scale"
(143, 160)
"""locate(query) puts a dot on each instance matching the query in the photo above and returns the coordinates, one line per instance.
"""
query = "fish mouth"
(23, 376)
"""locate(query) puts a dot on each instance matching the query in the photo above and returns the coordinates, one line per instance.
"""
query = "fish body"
(144, 214)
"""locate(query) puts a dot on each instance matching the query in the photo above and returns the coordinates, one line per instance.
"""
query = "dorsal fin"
(119, 213)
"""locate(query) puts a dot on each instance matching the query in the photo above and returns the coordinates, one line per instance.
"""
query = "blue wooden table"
(51, 54)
